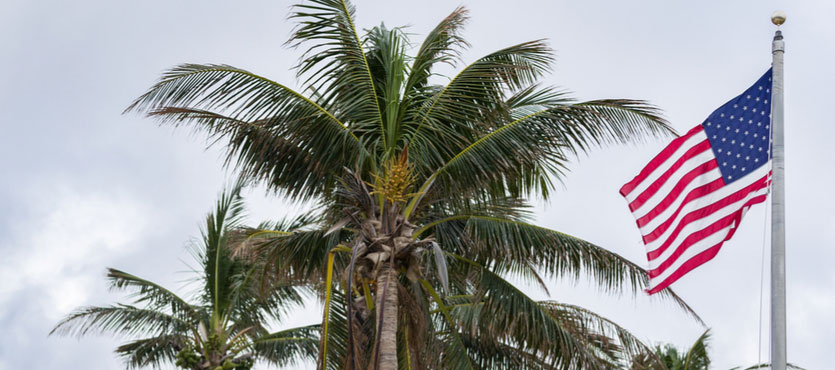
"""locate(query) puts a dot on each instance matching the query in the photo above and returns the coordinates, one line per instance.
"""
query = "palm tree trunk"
(385, 352)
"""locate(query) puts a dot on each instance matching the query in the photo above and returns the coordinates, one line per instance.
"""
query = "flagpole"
(778, 197)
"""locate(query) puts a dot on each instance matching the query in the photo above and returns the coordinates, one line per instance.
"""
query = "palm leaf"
(151, 351)
(285, 347)
(120, 319)
(335, 63)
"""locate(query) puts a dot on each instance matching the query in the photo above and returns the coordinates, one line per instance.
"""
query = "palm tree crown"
(227, 326)
(421, 191)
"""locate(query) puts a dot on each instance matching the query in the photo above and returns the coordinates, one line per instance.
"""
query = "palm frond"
(509, 244)
(510, 316)
(287, 347)
(443, 44)
(151, 352)
(254, 115)
(336, 65)
(120, 319)
(151, 294)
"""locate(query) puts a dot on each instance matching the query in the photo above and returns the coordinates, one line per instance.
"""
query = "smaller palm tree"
(696, 358)
(226, 329)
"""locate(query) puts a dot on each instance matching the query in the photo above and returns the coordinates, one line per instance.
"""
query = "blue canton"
(740, 131)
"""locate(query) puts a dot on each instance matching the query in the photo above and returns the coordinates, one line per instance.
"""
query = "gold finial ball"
(778, 17)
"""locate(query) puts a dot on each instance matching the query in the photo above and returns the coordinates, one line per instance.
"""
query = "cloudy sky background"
(83, 187)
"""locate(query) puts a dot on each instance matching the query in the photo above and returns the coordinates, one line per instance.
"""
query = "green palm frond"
(455, 354)
(510, 245)
(286, 347)
(442, 45)
(335, 64)
(120, 319)
(507, 314)
(255, 116)
(151, 294)
(152, 351)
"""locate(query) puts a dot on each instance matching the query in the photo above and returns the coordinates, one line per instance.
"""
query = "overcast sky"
(83, 187)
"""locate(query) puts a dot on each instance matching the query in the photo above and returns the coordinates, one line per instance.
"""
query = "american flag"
(691, 197)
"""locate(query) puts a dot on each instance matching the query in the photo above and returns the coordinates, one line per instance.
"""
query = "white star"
(751, 147)
(748, 97)
(761, 149)
(720, 150)
(708, 123)
(744, 107)
(734, 107)
(714, 136)
(761, 87)
(757, 99)
(741, 119)
(765, 101)
(733, 141)
(734, 166)
(766, 127)
(755, 134)
(737, 155)
(732, 116)
(730, 177)
(747, 157)
(746, 132)
(723, 139)
(737, 131)
(756, 159)
(727, 128)
(753, 109)
(767, 90)
(721, 114)
(743, 168)
(724, 164)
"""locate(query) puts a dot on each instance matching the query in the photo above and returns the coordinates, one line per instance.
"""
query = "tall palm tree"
(227, 326)
(421, 190)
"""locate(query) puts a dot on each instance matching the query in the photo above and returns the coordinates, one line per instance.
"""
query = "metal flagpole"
(778, 197)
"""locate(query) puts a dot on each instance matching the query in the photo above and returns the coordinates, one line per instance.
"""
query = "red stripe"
(699, 214)
(660, 229)
(659, 182)
(693, 194)
(682, 183)
(707, 254)
(659, 160)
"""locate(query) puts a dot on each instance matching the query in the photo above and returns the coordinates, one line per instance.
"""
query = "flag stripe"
(673, 189)
(670, 208)
(709, 212)
(695, 257)
(658, 265)
(694, 156)
(658, 161)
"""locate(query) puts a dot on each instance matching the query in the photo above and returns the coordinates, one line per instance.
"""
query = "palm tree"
(696, 358)
(225, 329)
(420, 189)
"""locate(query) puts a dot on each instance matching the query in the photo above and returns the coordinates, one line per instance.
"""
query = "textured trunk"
(385, 353)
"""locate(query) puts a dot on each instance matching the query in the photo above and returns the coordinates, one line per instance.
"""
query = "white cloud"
(60, 251)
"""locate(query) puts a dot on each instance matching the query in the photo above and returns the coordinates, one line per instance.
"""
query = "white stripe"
(694, 249)
(700, 224)
(673, 180)
(711, 198)
(685, 146)
(660, 218)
